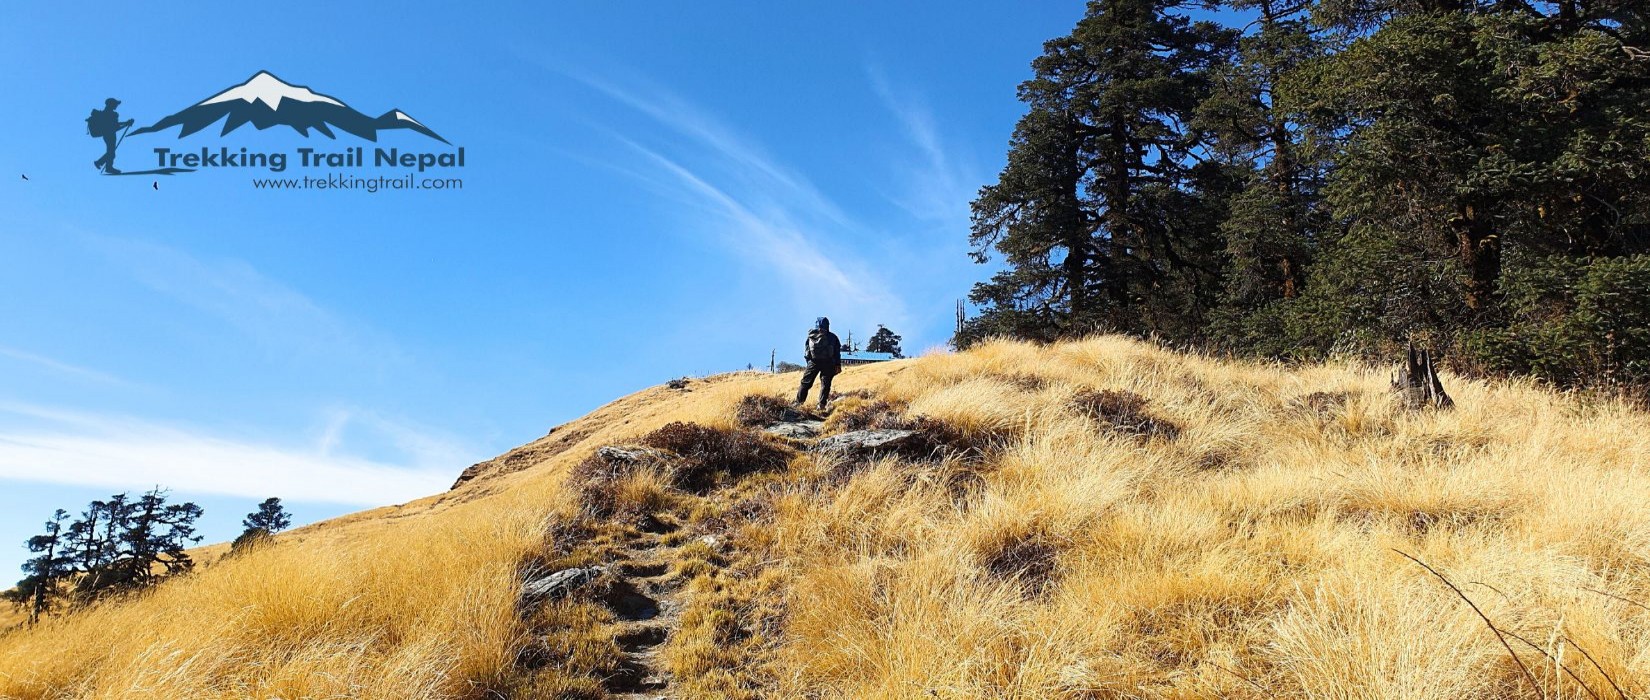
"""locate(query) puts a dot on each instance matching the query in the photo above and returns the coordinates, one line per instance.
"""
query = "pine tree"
(269, 519)
(1273, 224)
(156, 537)
(1352, 174)
(115, 545)
(44, 574)
(95, 544)
(884, 340)
(1105, 212)
(1476, 141)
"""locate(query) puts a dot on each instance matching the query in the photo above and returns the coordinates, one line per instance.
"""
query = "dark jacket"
(823, 352)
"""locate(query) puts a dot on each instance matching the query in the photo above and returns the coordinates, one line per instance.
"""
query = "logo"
(265, 101)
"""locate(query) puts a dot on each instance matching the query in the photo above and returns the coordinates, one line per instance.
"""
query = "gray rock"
(796, 430)
(789, 414)
(867, 441)
(559, 584)
(630, 455)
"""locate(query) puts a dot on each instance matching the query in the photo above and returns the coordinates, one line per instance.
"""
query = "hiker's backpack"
(98, 123)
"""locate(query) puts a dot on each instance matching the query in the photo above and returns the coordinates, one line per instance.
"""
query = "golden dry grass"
(1251, 553)
(1251, 556)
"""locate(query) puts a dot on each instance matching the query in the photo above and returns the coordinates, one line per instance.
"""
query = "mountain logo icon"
(265, 101)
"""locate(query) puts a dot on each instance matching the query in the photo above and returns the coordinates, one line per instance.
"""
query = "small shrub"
(941, 439)
(708, 455)
(1572, 322)
(621, 483)
(630, 499)
(963, 481)
(757, 507)
(1123, 412)
(251, 539)
(615, 462)
(1025, 382)
(1028, 556)
(1324, 404)
(866, 414)
(761, 410)
(563, 537)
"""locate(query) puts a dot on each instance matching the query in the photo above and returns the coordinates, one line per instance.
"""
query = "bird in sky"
(25, 178)
(155, 184)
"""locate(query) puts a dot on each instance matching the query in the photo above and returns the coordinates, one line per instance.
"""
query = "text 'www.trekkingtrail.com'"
(356, 183)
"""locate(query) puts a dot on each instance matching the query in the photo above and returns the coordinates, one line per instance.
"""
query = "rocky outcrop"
(631, 454)
(796, 430)
(559, 584)
(864, 442)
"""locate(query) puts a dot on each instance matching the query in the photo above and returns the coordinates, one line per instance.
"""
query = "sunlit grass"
(1249, 552)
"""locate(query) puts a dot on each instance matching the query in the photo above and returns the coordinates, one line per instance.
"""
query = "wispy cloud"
(51, 445)
(59, 367)
(774, 239)
(273, 315)
(760, 209)
(942, 183)
(689, 120)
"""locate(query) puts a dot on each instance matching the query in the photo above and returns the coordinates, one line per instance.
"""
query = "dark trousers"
(108, 159)
(808, 383)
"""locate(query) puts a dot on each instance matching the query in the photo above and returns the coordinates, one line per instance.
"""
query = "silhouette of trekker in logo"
(106, 124)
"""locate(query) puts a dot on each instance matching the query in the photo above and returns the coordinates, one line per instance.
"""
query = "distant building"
(865, 358)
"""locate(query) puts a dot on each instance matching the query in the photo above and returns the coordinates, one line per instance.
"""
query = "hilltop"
(1088, 519)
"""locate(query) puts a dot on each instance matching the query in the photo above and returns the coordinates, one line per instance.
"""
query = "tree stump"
(1417, 382)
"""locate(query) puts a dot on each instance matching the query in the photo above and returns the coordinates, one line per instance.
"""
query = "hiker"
(823, 353)
(106, 124)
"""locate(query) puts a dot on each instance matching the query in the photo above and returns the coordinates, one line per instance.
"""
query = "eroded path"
(650, 590)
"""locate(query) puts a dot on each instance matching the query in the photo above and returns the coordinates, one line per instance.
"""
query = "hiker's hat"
(112, 102)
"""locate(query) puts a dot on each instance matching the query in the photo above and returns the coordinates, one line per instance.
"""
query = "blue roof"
(868, 356)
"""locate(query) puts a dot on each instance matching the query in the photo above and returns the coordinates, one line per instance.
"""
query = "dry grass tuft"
(858, 413)
(761, 410)
(709, 456)
(1123, 412)
(1324, 404)
(1026, 555)
(937, 438)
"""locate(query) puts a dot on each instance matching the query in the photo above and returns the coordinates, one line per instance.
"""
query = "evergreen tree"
(95, 544)
(116, 544)
(1106, 211)
(1351, 174)
(1476, 141)
(884, 340)
(156, 537)
(44, 574)
(268, 519)
(1273, 224)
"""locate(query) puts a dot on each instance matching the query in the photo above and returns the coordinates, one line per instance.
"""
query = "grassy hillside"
(1084, 520)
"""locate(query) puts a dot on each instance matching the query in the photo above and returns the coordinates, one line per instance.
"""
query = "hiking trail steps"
(645, 627)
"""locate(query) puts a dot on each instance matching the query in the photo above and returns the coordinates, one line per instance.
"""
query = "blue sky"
(652, 189)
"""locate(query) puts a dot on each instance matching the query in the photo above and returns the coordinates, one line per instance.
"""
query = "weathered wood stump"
(1417, 382)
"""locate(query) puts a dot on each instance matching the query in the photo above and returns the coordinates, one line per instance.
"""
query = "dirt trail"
(675, 555)
(649, 602)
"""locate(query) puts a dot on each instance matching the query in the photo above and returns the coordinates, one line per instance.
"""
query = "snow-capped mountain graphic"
(265, 101)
